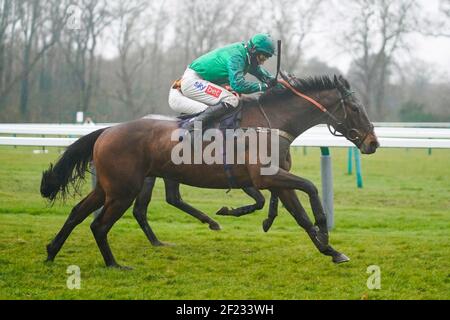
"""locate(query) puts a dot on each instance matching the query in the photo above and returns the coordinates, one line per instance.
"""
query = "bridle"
(336, 127)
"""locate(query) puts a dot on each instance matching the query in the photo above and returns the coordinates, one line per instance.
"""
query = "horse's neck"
(289, 114)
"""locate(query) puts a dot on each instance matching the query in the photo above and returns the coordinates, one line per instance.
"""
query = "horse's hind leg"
(173, 197)
(113, 209)
(254, 194)
(140, 210)
(86, 206)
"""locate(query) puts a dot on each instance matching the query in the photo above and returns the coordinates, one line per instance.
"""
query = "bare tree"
(439, 25)
(6, 19)
(132, 55)
(377, 35)
(33, 18)
(9, 44)
(80, 46)
(200, 30)
(293, 21)
(139, 40)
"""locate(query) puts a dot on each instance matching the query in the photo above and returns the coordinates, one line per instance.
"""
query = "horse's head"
(339, 108)
(349, 117)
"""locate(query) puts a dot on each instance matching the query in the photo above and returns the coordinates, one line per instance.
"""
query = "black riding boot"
(206, 117)
(210, 114)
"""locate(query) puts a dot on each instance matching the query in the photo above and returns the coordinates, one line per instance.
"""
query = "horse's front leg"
(259, 198)
(284, 183)
(255, 194)
(319, 238)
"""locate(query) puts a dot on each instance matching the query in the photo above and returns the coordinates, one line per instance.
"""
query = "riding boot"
(209, 115)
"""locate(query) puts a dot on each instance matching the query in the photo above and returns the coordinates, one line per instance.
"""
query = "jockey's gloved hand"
(272, 82)
(278, 87)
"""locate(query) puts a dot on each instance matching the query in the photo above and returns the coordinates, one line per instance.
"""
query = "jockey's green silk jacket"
(229, 65)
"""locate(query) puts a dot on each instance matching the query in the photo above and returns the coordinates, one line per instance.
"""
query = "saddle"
(230, 120)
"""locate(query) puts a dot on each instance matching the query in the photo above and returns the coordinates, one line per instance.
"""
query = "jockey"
(200, 88)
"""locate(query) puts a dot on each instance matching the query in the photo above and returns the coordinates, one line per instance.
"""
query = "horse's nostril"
(374, 144)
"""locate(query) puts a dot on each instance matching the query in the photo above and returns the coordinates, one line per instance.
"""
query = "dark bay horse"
(127, 153)
(173, 197)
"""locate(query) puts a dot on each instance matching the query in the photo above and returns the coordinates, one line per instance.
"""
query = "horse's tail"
(70, 168)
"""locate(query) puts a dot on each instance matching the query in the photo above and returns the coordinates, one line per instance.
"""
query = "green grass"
(399, 221)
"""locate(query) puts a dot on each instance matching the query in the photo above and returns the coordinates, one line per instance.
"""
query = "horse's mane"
(304, 85)
(317, 83)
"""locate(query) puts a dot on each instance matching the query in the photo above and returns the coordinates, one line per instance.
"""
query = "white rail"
(389, 137)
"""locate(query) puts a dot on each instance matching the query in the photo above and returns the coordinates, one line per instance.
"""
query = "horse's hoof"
(161, 244)
(119, 267)
(125, 268)
(267, 224)
(50, 252)
(340, 258)
(215, 226)
(224, 211)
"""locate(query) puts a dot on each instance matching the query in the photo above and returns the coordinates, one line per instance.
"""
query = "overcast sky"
(432, 50)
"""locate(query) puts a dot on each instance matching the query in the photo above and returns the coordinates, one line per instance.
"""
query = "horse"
(173, 197)
(125, 154)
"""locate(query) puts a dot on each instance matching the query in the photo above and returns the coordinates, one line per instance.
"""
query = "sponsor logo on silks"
(200, 86)
(213, 91)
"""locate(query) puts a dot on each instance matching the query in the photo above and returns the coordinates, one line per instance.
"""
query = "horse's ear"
(344, 82)
(337, 82)
(347, 84)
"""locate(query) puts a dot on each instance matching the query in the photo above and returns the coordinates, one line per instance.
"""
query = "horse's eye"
(353, 107)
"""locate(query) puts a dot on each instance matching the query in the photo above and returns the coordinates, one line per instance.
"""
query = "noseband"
(340, 128)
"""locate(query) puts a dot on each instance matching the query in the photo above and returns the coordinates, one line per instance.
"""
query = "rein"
(301, 95)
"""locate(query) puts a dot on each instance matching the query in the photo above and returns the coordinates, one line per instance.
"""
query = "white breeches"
(197, 94)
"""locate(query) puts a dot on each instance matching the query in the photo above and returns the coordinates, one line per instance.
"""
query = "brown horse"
(173, 197)
(127, 153)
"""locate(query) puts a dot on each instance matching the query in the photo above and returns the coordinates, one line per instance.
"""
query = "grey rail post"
(327, 186)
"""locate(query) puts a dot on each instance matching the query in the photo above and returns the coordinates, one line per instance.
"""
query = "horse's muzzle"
(370, 144)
